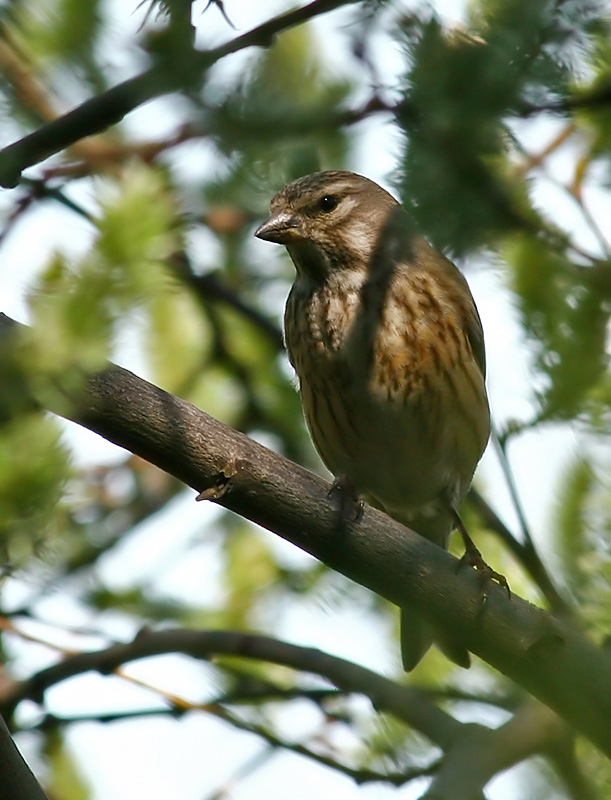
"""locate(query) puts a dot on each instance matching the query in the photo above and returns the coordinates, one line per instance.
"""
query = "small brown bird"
(388, 346)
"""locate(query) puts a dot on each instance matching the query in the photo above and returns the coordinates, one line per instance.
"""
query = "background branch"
(473, 753)
(109, 108)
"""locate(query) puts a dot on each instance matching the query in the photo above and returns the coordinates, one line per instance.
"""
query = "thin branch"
(359, 775)
(107, 156)
(217, 708)
(210, 287)
(537, 160)
(109, 108)
(243, 771)
(473, 753)
(408, 705)
(499, 445)
(596, 99)
(40, 189)
(507, 700)
(52, 722)
(533, 160)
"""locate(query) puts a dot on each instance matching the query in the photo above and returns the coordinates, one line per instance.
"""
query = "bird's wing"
(475, 334)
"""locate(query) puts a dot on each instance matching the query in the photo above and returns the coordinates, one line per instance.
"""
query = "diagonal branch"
(545, 655)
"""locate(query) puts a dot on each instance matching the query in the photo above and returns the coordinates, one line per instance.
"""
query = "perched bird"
(388, 346)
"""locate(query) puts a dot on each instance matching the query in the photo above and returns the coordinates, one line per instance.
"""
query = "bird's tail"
(417, 635)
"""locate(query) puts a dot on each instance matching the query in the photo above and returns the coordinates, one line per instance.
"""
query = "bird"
(388, 347)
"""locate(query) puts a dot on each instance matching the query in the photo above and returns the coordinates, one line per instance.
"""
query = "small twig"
(574, 191)
(106, 155)
(360, 776)
(247, 768)
(41, 189)
(50, 722)
(499, 446)
(597, 99)
(536, 159)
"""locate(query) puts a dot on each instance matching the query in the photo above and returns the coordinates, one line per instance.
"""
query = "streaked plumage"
(387, 343)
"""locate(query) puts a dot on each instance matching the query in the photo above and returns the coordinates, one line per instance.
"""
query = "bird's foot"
(473, 558)
(351, 504)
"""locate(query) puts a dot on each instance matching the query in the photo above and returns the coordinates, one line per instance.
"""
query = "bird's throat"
(310, 261)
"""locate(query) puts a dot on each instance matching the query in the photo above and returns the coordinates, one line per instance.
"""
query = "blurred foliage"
(70, 32)
(459, 91)
(85, 303)
(171, 283)
(65, 779)
(280, 119)
(34, 469)
(583, 523)
(566, 317)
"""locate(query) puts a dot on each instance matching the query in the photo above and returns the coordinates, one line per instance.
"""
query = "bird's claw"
(473, 558)
(351, 505)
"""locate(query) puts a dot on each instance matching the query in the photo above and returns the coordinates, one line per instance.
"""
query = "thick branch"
(545, 655)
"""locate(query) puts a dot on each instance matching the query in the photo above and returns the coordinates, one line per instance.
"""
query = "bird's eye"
(327, 203)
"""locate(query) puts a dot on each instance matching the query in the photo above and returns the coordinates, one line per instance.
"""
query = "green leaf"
(566, 318)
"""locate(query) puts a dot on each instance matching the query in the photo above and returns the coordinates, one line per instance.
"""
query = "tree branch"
(359, 775)
(481, 753)
(407, 704)
(545, 655)
(473, 753)
(109, 108)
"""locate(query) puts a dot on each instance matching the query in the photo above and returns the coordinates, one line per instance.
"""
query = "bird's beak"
(281, 228)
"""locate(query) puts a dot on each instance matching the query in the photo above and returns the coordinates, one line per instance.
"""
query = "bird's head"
(328, 221)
